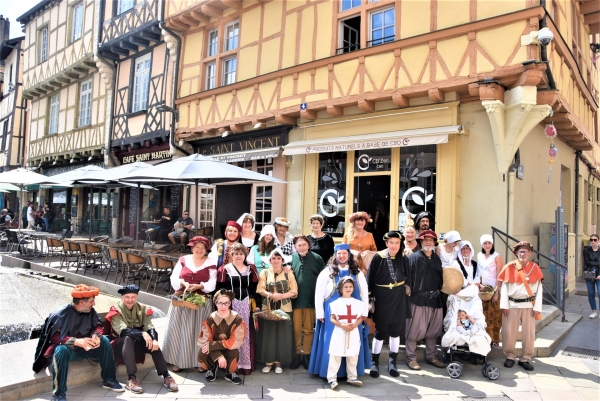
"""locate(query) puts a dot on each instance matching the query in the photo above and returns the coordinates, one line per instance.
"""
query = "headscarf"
(466, 243)
(201, 239)
(268, 229)
(486, 237)
(245, 216)
(452, 236)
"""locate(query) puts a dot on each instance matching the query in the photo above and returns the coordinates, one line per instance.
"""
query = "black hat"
(424, 214)
(129, 289)
(392, 234)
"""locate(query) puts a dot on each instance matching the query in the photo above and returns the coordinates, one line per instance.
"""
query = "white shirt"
(447, 258)
(469, 270)
(326, 286)
(30, 214)
(518, 291)
(209, 286)
(345, 343)
(488, 268)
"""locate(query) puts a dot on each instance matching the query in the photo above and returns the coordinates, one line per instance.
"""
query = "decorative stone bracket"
(512, 120)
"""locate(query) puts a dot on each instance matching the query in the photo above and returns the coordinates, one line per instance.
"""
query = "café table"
(38, 238)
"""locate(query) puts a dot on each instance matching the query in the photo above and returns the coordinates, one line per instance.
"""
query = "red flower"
(149, 312)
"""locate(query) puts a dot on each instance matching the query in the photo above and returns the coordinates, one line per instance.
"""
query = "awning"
(258, 154)
(394, 139)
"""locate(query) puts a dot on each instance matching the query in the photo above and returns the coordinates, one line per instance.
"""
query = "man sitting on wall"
(181, 228)
(71, 333)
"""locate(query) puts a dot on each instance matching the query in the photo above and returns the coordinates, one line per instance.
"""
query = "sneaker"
(211, 374)
(278, 370)
(170, 384)
(133, 385)
(60, 397)
(594, 315)
(354, 382)
(113, 385)
(232, 377)
(333, 385)
(267, 368)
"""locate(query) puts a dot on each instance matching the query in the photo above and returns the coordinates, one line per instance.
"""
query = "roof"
(7, 46)
(25, 18)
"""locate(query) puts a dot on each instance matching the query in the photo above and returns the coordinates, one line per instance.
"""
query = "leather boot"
(295, 364)
(374, 365)
(392, 365)
(305, 361)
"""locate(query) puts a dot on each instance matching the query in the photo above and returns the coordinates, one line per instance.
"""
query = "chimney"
(4, 32)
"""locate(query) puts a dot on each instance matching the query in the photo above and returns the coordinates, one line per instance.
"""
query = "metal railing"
(555, 298)
(381, 41)
(348, 48)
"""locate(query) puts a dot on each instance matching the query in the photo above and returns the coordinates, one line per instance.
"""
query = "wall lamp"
(163, 108)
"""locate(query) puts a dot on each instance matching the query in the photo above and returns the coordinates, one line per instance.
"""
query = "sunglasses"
(594, 239)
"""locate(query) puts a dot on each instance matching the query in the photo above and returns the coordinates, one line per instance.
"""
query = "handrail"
(548, 297)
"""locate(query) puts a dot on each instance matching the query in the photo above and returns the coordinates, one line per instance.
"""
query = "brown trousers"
(493, 319)
(208, 361)
(304, 323)
(425, 323)
(510, 328)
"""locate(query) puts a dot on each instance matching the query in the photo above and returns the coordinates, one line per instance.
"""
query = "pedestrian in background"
(591, 268)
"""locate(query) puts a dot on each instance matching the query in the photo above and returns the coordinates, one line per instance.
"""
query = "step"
(21, 382)
(549, 313)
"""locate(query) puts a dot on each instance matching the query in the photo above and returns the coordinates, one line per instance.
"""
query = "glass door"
(372, 195)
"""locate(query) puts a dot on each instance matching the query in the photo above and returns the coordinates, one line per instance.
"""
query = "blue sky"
(12, 9)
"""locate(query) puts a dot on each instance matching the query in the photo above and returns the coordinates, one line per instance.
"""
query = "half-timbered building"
(67, 106)
(133, 44)
(400, 107)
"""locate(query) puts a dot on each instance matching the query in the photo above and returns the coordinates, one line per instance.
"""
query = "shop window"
(373, 160)
(417, 181)
(206, 207)
(264, 206)
(331, 202)
(349, 35)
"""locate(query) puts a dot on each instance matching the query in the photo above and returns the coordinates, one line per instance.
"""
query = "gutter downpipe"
(111, 98)
(576, 224)
(543, 51)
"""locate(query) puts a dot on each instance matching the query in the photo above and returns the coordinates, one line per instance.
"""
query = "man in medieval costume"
(424, 221)
(132, 335)
(222, 336)
(386, 280)
(425, 281)
(71, 333)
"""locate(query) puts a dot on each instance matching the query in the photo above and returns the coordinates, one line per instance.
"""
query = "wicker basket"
(184, 304)
(486, 293)
(267, 315)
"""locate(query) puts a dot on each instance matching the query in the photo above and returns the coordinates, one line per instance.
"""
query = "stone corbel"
(512, 120)
(171, 44)
(106, 73)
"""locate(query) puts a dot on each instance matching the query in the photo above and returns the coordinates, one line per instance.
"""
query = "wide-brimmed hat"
(422, 215)
(522, 244)
(268, 229)
(360, 215)
(282, 221)
(453, 280)
(84, 291)
(286, 259)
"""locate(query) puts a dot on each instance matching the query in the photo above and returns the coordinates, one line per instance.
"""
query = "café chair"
(71, 254)
(159, 270)
(133, 267)
(114, 260)
(55, 248)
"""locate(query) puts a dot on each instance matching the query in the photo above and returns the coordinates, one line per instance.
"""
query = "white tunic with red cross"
(344, 343)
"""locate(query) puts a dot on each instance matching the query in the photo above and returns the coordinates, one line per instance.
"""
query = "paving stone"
(588, 393)
(232, 390)
(558, 395)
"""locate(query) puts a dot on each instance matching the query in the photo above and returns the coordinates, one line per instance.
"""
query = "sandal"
(176, 369)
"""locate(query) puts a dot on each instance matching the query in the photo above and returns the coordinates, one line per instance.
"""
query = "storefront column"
(447, 185)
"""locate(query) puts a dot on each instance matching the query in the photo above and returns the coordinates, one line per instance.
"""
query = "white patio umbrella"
(21, 177)
(199, 170)
(9, 187)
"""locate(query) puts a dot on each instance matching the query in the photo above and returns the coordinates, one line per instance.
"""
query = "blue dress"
(319, 354)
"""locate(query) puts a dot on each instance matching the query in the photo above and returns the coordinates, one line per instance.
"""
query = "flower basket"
(186, 304)
(276, 315)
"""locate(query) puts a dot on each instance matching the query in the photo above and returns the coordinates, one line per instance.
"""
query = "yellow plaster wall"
(500, 50)
(411, 26)
(273, 14)
(452, 13)
(248, 58)
(289, 41)
(491, 8)
(269, 60)
(307, 35)
(379, 67)
(250, 26)
(452, 51)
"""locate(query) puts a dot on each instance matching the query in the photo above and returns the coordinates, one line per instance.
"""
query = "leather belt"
(519, 300)
(391, 285)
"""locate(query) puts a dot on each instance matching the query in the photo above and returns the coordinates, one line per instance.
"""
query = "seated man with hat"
(130, 329)
(71, 333)
(425, 280)
(220, 340)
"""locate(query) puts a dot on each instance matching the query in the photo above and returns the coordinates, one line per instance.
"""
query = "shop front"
(391, 165)
(260, 151)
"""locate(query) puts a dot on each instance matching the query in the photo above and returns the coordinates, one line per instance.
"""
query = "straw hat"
(453, 280)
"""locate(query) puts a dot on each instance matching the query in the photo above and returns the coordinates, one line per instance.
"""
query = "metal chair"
(19, 243)
(159, 268)
(133, 266)
(55, 248)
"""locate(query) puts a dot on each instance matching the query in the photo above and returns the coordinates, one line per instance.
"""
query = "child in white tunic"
(346, 315)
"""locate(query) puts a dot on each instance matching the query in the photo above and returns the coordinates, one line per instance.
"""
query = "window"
(77, 21)
(349, 35)
(85, 103)
(140, 83)
(54, 107)
(231, 36)
(44, 45)
(382, 27)
(207, 207)
(331, 203)
(348, 4)
(125, 5)
(229, 67)
(211, 73)
(213, 40)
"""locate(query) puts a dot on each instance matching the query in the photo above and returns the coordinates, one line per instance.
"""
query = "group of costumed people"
(330, 293)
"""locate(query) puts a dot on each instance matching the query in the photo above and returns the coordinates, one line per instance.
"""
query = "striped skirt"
(181, 336)
(243, 309)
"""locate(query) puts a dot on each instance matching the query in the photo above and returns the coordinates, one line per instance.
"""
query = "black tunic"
(322, 246)
(425, 276)
(391, 305)
(242, 286)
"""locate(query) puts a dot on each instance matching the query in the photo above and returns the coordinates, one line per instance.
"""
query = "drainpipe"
(174, 88)
(543, 51)
(111, 97)
(510, 202)
(577, 158)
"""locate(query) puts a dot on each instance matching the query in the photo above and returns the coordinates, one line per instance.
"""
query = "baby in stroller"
(465, 325)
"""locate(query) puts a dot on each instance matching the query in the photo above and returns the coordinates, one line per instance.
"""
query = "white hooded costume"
(468, 300)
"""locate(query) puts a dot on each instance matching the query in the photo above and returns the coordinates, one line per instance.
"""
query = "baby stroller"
(472, 343)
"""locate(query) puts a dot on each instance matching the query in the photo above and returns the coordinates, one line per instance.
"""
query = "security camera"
(545, 36)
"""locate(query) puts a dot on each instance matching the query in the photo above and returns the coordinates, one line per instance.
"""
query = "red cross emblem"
(349, 316)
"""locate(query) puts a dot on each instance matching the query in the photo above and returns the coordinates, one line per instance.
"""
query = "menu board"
(133, 204)
(175, 198)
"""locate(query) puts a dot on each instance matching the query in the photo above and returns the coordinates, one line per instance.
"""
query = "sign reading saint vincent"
(272, 141)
